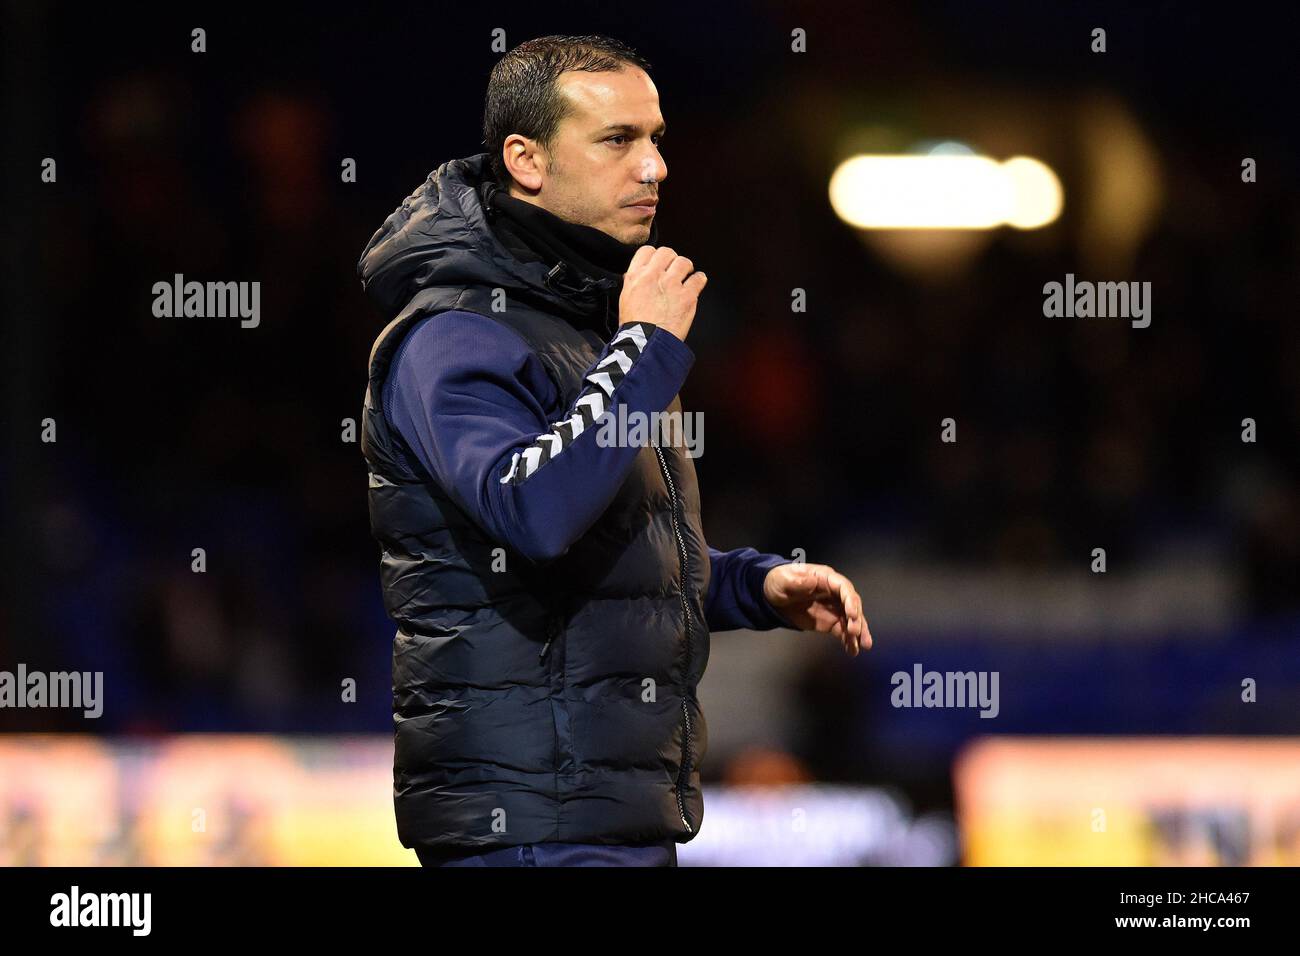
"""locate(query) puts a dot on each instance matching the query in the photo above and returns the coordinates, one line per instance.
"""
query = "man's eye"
(657, 140)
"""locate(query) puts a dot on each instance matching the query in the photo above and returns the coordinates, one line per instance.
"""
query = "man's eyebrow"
(661, 129)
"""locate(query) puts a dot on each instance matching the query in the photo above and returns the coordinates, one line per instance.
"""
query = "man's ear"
(524, 160)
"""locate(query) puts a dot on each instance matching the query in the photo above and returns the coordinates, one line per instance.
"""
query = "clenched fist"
(662, 288)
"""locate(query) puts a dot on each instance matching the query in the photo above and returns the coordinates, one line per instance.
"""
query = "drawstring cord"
(557, 281)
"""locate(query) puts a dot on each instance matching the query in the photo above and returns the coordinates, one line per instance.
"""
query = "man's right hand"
(662, 288)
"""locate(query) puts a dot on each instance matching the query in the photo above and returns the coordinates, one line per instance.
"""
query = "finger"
(680, 268)
(819, 584)
(864, 628)
(849, 600)
(850, 642)
(853, 607)
(838, 587)
(696, 282)
(663, 258)
(641, 257)
(855, 620)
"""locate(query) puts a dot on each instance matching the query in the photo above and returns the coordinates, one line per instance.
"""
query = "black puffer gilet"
(532, 703)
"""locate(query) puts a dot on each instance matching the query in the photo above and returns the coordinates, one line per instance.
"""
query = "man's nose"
(652, 168)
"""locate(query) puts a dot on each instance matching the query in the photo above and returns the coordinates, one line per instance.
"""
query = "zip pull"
(552, 280)
(552, 629)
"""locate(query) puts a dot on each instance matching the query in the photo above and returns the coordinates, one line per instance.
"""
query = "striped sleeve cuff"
(620, 355)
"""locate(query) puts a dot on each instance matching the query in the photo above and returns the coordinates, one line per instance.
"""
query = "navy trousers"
(557, 854)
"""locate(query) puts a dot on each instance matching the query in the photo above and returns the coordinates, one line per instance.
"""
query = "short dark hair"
(522, 96)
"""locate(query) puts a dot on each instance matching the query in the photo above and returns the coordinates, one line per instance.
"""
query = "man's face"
(605, 156)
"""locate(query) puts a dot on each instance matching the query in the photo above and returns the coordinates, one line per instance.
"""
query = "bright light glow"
(944, 192)
(1036, 196)
(950, 147)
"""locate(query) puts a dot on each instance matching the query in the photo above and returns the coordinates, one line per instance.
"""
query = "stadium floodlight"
(944, 191)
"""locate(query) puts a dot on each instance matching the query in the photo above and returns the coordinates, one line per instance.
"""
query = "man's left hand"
(816, 597)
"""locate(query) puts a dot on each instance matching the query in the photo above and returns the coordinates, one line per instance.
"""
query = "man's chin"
(636, 236)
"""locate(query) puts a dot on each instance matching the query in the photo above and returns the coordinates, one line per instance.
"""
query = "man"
(554, 594)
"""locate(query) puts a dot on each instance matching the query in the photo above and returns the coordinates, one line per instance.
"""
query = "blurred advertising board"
(198, 800)
(252, 800)
(1121, 801)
